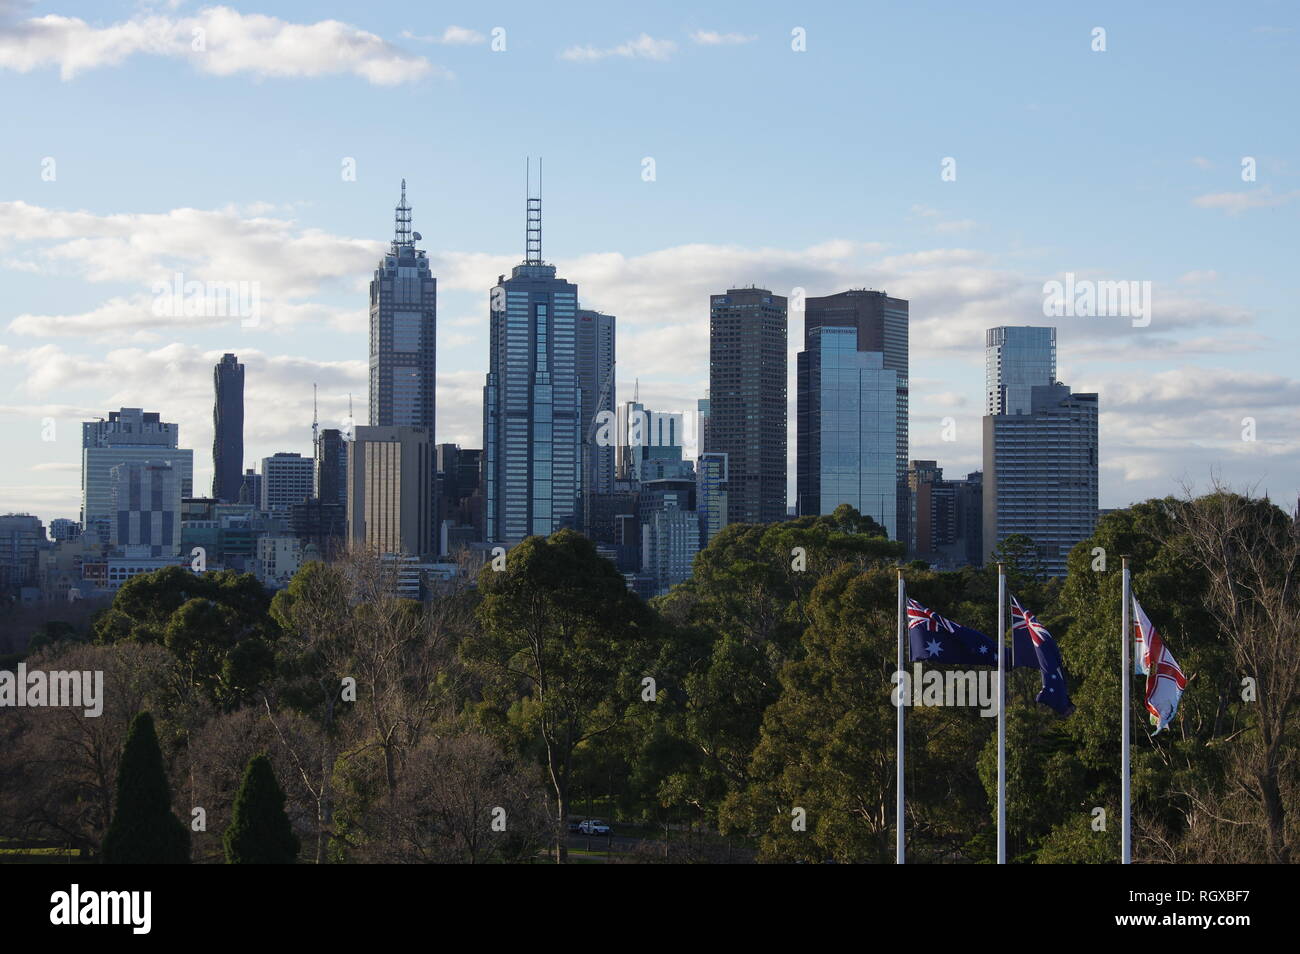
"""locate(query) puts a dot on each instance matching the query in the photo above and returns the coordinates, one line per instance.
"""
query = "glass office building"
(1016, 360)
(848, 427)
(532, 401)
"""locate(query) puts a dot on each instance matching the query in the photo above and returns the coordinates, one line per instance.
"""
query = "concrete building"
(1041, 473)
(747, 400)
(330, 484)
(947, 518)
(129, 435)
(390, 491)
(22, 540)
(670, 539)
(287, 479)
(711, 495)
(146, 514)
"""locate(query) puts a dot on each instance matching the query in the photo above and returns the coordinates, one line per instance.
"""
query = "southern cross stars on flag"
(1048, 654)
(1165, 679)
(932, 637)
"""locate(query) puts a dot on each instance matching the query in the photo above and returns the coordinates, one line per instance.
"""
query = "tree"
(144, 830)
(259, 832)
(560, 623)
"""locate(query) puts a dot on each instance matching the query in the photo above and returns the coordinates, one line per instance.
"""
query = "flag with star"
(1048, 655)
(932, 638)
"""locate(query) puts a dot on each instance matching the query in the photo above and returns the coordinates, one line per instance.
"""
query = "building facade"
(596, 379)
(1016, 359)
(146, 519)
(847, 427)
(287, 479)
(882, 324)
(403, 332)
(747, 400)
(532, 401)
(129, 435)
(390, 491)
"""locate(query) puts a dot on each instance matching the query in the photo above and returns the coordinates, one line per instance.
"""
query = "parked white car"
(593, 826)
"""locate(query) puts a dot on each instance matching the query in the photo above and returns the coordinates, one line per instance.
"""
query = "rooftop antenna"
(402, 223)
(533, 220)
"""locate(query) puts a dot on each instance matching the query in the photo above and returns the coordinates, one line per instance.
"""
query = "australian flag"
(1047, 653)
(933, 638)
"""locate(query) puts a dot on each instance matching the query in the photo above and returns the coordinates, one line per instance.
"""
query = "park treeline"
(750, 706)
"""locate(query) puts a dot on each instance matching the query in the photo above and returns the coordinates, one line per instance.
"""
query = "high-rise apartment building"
(403, 331)
(1041, 473)
(948, 516)
(532, 400)
(711, 494)
(228, 429)
(847, 427)
(882, 326)
(390, 491)
(747, 400)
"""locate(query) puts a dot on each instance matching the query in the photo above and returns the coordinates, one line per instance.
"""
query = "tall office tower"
(390, 490)
(847, 427)
(947, 516)
(1016, 359)
(882, 325)
(146, 509)
(403, 331)
(287, 479)
(532, 401)
(228, 429)
(21, 539)
(747, 400)
(711, 494)
(129, 435)
(596, 380)
(1040, 473)
(331, 473)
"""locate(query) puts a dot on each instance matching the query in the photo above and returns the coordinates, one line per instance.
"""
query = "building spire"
(402, 223)
(533, 222)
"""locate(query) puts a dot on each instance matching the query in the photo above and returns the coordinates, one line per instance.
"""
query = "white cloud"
(452, 36)
(217, 40)
(1237, 202)
(644, 47)
(713, 38)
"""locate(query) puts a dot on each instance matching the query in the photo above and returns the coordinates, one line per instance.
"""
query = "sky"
(961, 156)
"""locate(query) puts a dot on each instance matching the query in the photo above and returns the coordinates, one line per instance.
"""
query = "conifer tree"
(259, 831)
(143, 830)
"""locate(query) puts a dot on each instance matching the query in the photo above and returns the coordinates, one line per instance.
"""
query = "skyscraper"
(532, 400)
(129, 435)
(331, 477)
(1040, 473)
(403, 331)
(596, 379)
(847, 427)
(882, 326)
(228, 429)
(747, 400)
(1016, 359)
(711, 494)
(390, 490)
(146, 519)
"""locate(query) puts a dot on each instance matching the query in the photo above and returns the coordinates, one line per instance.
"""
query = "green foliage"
(259, 832)
(143, 829)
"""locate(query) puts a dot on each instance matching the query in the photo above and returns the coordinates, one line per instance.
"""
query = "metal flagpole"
(1126, 838)
(900, 819)
(1002, 721)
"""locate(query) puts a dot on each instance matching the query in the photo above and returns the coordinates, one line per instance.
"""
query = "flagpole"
(1126, 838)
(900, 849)
(1002, 724)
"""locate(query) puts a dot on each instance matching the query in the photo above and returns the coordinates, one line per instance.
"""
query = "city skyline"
(88, 247)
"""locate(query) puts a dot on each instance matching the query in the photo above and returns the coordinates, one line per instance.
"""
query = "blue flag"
(935, 639)
(1025, 629)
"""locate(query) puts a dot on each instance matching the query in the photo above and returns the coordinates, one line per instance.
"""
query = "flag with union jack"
(1165, 679)
(1048, 654)
(933, 638)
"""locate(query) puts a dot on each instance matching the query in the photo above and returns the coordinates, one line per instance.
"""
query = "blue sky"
(817, 169)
